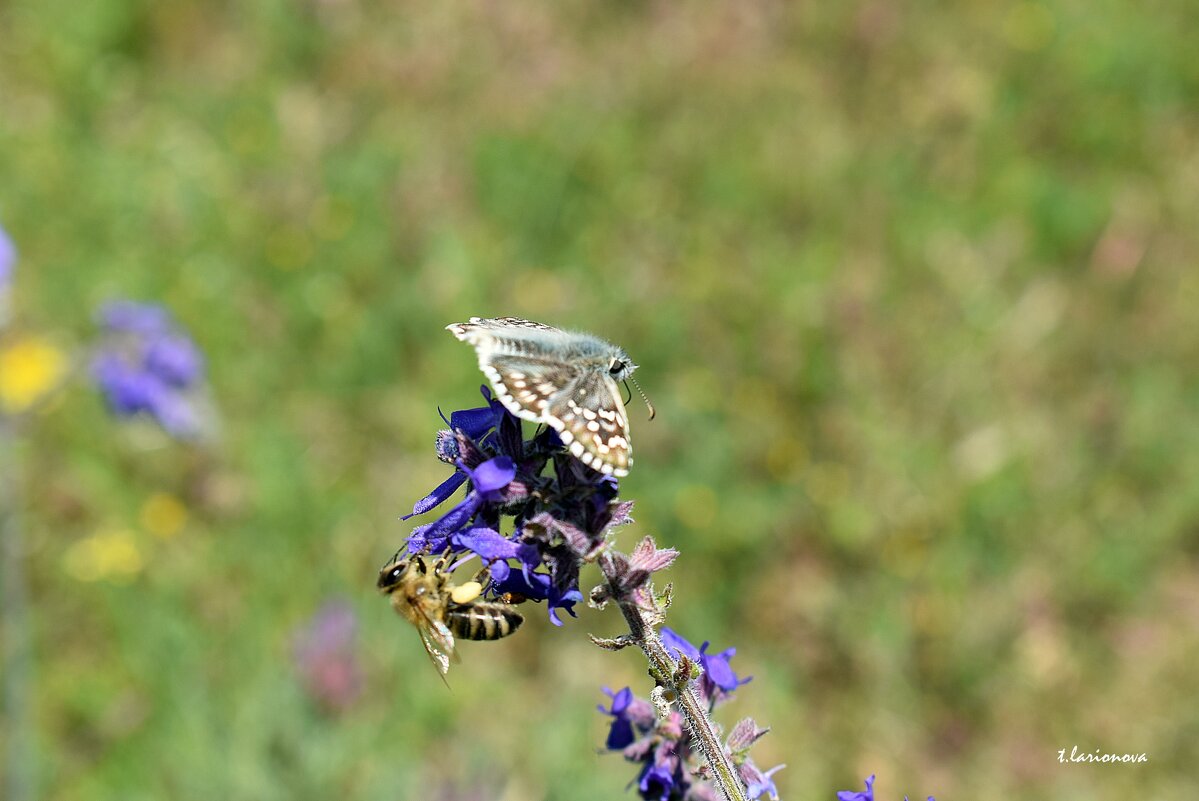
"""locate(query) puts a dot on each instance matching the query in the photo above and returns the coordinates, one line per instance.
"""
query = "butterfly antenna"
(645, 398)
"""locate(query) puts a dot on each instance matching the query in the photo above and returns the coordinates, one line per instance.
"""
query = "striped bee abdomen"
(482, 621)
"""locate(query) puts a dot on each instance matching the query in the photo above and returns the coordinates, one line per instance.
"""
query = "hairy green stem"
(690, 705)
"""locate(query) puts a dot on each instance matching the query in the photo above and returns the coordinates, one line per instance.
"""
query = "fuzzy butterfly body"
(567, 380)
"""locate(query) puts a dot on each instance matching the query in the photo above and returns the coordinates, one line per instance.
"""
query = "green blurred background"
(911, 284)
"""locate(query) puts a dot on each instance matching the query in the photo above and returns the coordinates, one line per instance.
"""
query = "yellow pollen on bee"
(465, 593)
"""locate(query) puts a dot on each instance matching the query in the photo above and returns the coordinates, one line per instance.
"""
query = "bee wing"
(439, 645)
(437, 639)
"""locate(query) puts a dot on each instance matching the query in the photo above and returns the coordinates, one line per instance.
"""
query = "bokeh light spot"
(163, 515)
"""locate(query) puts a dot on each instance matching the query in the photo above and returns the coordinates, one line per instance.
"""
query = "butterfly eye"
(616, 368)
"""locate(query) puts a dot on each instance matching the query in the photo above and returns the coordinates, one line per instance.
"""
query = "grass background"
(911, 285)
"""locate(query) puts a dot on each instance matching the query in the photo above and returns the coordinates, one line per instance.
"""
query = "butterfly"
(564, 379)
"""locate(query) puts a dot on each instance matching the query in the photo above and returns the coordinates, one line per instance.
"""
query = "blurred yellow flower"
(163, 515)
(29, 368)
(110, 554)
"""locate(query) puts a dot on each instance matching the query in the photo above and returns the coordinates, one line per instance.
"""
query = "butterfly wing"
(489, 331)
(523, 361)
(526, 386)
(590, 417)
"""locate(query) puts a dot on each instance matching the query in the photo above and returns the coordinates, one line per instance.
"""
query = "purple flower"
(127, 316)
(488, 481)
(130, 391)
(146, 365)
(849, 795)
(758, 783)
(325, 657)
(491, 478)
(8, 263)
(8, 260)
(661, 746)
(485, 542)
(175, 359)
(440, 494)
(475, 423)
(127, 389)
(538, 587)
(553, 532)
(719, 680)
(660, 777)
(620, 736)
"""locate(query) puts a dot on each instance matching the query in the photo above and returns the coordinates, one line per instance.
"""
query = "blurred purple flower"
(145, 364)
(659, 780)
(849, 795)
(8, 259)
(127, 316)
(8, 264)
(620, 736)
(325, 657)
(759, 783)
(175, 359)
(659, 745)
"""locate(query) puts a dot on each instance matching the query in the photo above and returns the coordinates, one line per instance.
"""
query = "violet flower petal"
(491, 476)
(175, 359)
(680, 646)
(486, 542)
(439, 495)
(849, 795)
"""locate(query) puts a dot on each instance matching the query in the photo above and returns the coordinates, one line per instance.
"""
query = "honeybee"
(441, 611)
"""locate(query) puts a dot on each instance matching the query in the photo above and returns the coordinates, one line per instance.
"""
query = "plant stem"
(695, 714)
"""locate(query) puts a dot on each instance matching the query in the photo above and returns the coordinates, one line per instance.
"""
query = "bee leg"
(442, 561)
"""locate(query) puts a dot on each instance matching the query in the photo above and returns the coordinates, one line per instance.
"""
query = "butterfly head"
(621, 366)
